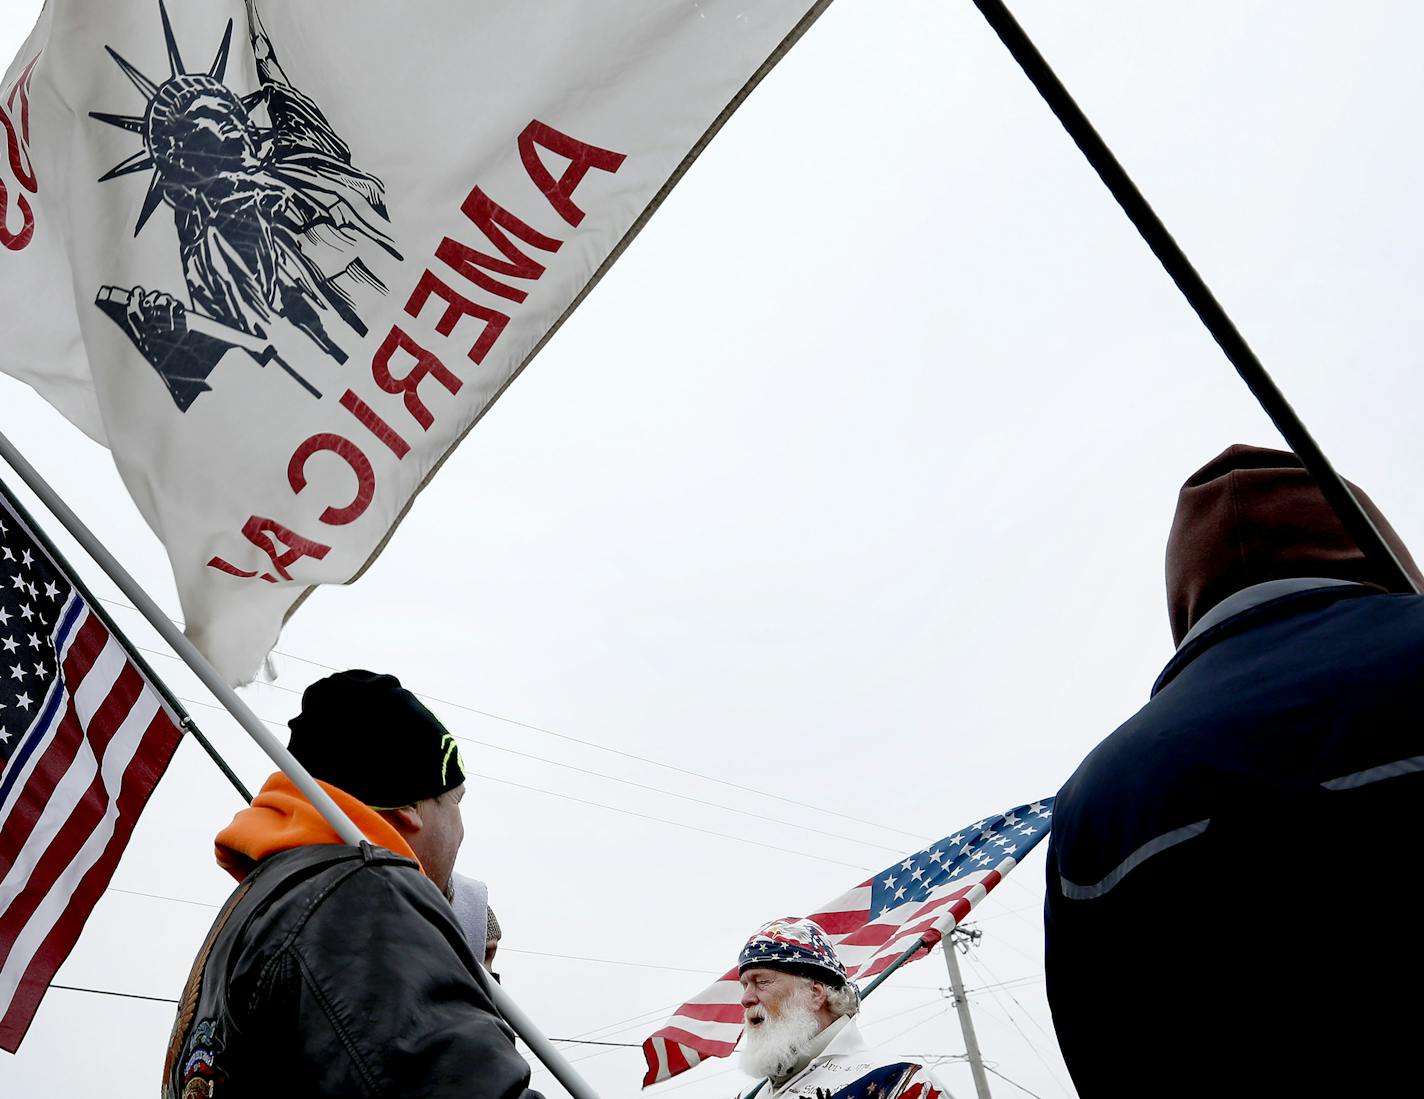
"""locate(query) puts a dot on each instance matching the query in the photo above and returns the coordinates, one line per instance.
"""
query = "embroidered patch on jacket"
(200, 1069)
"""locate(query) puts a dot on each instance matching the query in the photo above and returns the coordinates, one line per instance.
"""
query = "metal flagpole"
(185, 720)
(1356, 520)
(275, 749)
(966, 1024)
(195, 660)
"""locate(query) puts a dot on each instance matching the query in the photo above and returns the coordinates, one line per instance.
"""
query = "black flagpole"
(185, 720)
(1141, 214)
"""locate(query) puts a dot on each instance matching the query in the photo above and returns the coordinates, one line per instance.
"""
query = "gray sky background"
(849, 485)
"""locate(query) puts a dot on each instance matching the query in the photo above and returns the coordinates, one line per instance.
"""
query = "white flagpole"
(285, 761)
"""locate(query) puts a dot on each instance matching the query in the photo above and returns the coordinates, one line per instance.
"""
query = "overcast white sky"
(849, 484)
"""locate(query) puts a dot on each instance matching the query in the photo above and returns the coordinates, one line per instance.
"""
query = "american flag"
(84, 738)
(869, 926)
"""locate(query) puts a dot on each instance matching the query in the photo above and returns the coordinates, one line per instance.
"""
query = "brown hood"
(1251, 515)
(280, 819)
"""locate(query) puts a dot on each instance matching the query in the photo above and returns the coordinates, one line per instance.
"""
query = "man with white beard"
(800, 1029)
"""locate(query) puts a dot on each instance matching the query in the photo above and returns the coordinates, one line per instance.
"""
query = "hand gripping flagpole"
(275, 749)
(1355, 519)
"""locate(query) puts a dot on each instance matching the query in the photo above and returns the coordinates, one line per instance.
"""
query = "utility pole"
(962, 938)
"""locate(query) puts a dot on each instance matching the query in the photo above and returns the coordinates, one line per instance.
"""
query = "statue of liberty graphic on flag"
(272, 217)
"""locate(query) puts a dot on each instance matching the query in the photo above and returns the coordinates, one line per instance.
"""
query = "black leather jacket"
(339, 971)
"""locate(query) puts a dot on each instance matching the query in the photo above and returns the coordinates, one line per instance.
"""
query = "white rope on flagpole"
(275, 749)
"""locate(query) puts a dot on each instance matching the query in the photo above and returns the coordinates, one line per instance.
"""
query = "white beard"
(772, 1049)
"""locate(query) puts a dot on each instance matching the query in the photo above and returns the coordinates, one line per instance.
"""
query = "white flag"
(281, 257)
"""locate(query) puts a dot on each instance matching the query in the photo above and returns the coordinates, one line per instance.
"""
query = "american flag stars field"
(84, 738)
(29, 606)
(984, 843)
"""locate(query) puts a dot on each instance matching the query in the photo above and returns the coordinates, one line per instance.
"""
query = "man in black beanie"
(414, 779)
(338, 970)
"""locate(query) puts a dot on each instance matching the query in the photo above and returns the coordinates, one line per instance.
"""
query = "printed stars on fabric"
(32, 595)
(942, 865)
(791, 940)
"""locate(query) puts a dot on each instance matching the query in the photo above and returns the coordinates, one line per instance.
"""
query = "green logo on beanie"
(366, 734)
(449, 749)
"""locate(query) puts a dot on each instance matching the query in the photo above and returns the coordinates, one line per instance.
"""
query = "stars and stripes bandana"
(868, 927)
(789, 942)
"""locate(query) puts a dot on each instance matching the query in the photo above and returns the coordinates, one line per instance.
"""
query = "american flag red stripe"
(869, 926)
(141, 777)
(52, 762)
(84, 738)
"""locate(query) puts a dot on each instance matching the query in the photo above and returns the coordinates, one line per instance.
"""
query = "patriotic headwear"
(796, 946)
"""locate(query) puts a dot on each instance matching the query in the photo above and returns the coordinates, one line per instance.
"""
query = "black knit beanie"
(369, 736)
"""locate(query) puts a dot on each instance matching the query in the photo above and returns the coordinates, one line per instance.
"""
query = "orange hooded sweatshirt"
(280, 819)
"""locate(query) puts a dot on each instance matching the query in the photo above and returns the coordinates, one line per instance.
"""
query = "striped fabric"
(869, 926)
(84, 738)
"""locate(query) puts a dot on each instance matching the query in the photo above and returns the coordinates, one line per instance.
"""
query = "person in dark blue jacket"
(1231, 874)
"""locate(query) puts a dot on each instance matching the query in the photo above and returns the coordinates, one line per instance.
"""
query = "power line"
(1032, 1045)
(615, 961)
(610, 808)
(1004, 942)
(568, 1041)
(878, 1022)
(680, 797)
(171, 1000)
(627, 782)
(701, 1080)
(1016, 1084)
(223, 709)
(559, 736)
(645, 759)
(602, 1053)
(929, 1060)
(609, 1046)
(584, 1042)
(159, 897)
(1011, 982)
(641, 1019)
(980, 963)
(631, 1021)
(890, 1018)
(508, 949)
(673, 823)
(875, 1023)
(914, 1026)
(606, 777)
(123, 995)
